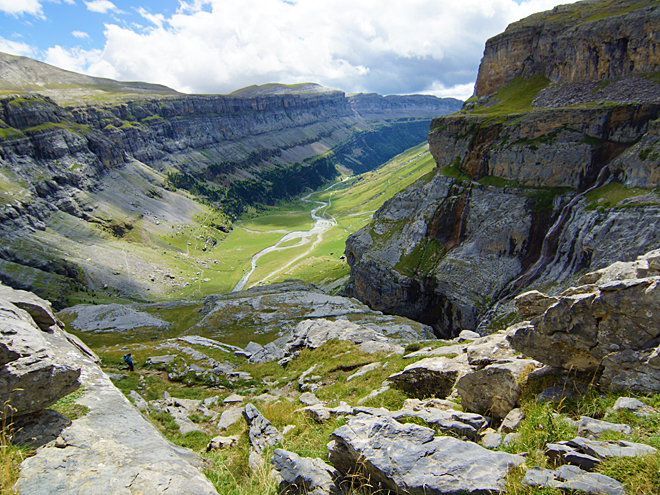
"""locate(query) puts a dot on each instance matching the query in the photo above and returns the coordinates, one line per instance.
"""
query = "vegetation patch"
(515, 97)
(67, 405)
(610, 195)
(454, 171)
(423, 259)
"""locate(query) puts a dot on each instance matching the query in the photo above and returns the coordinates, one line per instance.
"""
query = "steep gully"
(321, 225)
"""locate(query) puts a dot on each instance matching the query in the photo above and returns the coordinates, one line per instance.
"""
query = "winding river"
(321, 225)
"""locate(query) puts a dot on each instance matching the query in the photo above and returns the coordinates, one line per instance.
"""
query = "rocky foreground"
(458, 433)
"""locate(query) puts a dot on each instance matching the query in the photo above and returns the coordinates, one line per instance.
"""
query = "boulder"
(311, 334)
(303, 475)
(611, 324)
(635, 405)
(309, 399)
(572, 478)
(532, 304)
(594, 427)
(589, 453)
(261, 431)
(438, 351)
(230, 417)
(220, 443)
(512, 421)
(487, 350)
(409, 458)
(431, 377)
(495, 389)
(491, 439)
(36, 368)
(139, 401)
(39, 309)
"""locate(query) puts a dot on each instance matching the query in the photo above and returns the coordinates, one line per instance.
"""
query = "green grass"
(70, 126)
(610, 195)
(515, 97)
(67, 405)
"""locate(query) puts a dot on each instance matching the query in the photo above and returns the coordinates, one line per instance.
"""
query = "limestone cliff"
(544, 175)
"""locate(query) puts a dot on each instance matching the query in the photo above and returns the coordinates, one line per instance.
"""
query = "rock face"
(446, 249)
(302, 475)
(566, 46)
(608, 325)
(410, 458)
(112, 445)
(36, 368)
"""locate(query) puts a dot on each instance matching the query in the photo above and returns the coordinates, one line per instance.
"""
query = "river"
(321, 225)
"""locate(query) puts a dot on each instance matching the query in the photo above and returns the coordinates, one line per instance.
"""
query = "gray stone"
(532, 304)
(203, 341)
(615, 448)
(35, 368)
(430, 377)
(233, 399)
(512, 421)
(116, 377)
(303, 475)
(39, 309)
(113, 318)
(220, 443)
(573, 478)
(230, 417)
(255, 461)
(261, 431)
(372, 394)
(438, 351)
(167, 359)
(573, 334)
(633, 405)
(309, 399)
(594, 427)
(488, 350)
(408, 457)
(491, 439)
(496, 388)
(468, 335)
(372, 347)
(139, 401)
(556, 393)
(364, 370)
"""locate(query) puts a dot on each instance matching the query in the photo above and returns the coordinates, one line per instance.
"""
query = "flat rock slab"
(112, 318)
(229, 417)
(112, 448)
(571, 478)
(409, 458)
(595, 427)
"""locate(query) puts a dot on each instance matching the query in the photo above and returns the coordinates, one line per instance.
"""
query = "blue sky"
(217, 46)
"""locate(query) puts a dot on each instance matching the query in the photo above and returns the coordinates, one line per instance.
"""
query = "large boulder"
(409, 458)
(495, 389)
(35, 367)
(610, 324)
(431, 377)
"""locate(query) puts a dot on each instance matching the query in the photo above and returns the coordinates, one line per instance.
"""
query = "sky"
(218, 46)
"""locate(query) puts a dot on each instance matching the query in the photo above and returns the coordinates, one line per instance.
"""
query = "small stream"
(321, 225)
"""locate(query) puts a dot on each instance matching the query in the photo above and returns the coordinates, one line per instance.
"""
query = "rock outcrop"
(533, 180)
(36, 365)
(409, 457)
(111, 446)
(608, 326)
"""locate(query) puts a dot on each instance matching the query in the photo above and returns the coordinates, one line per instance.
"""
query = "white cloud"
(16, 48)
(70, 2)
(74, 59)
(460, 91)
(101, 6)
(20, 7)
(388, 46)
(80, 34)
